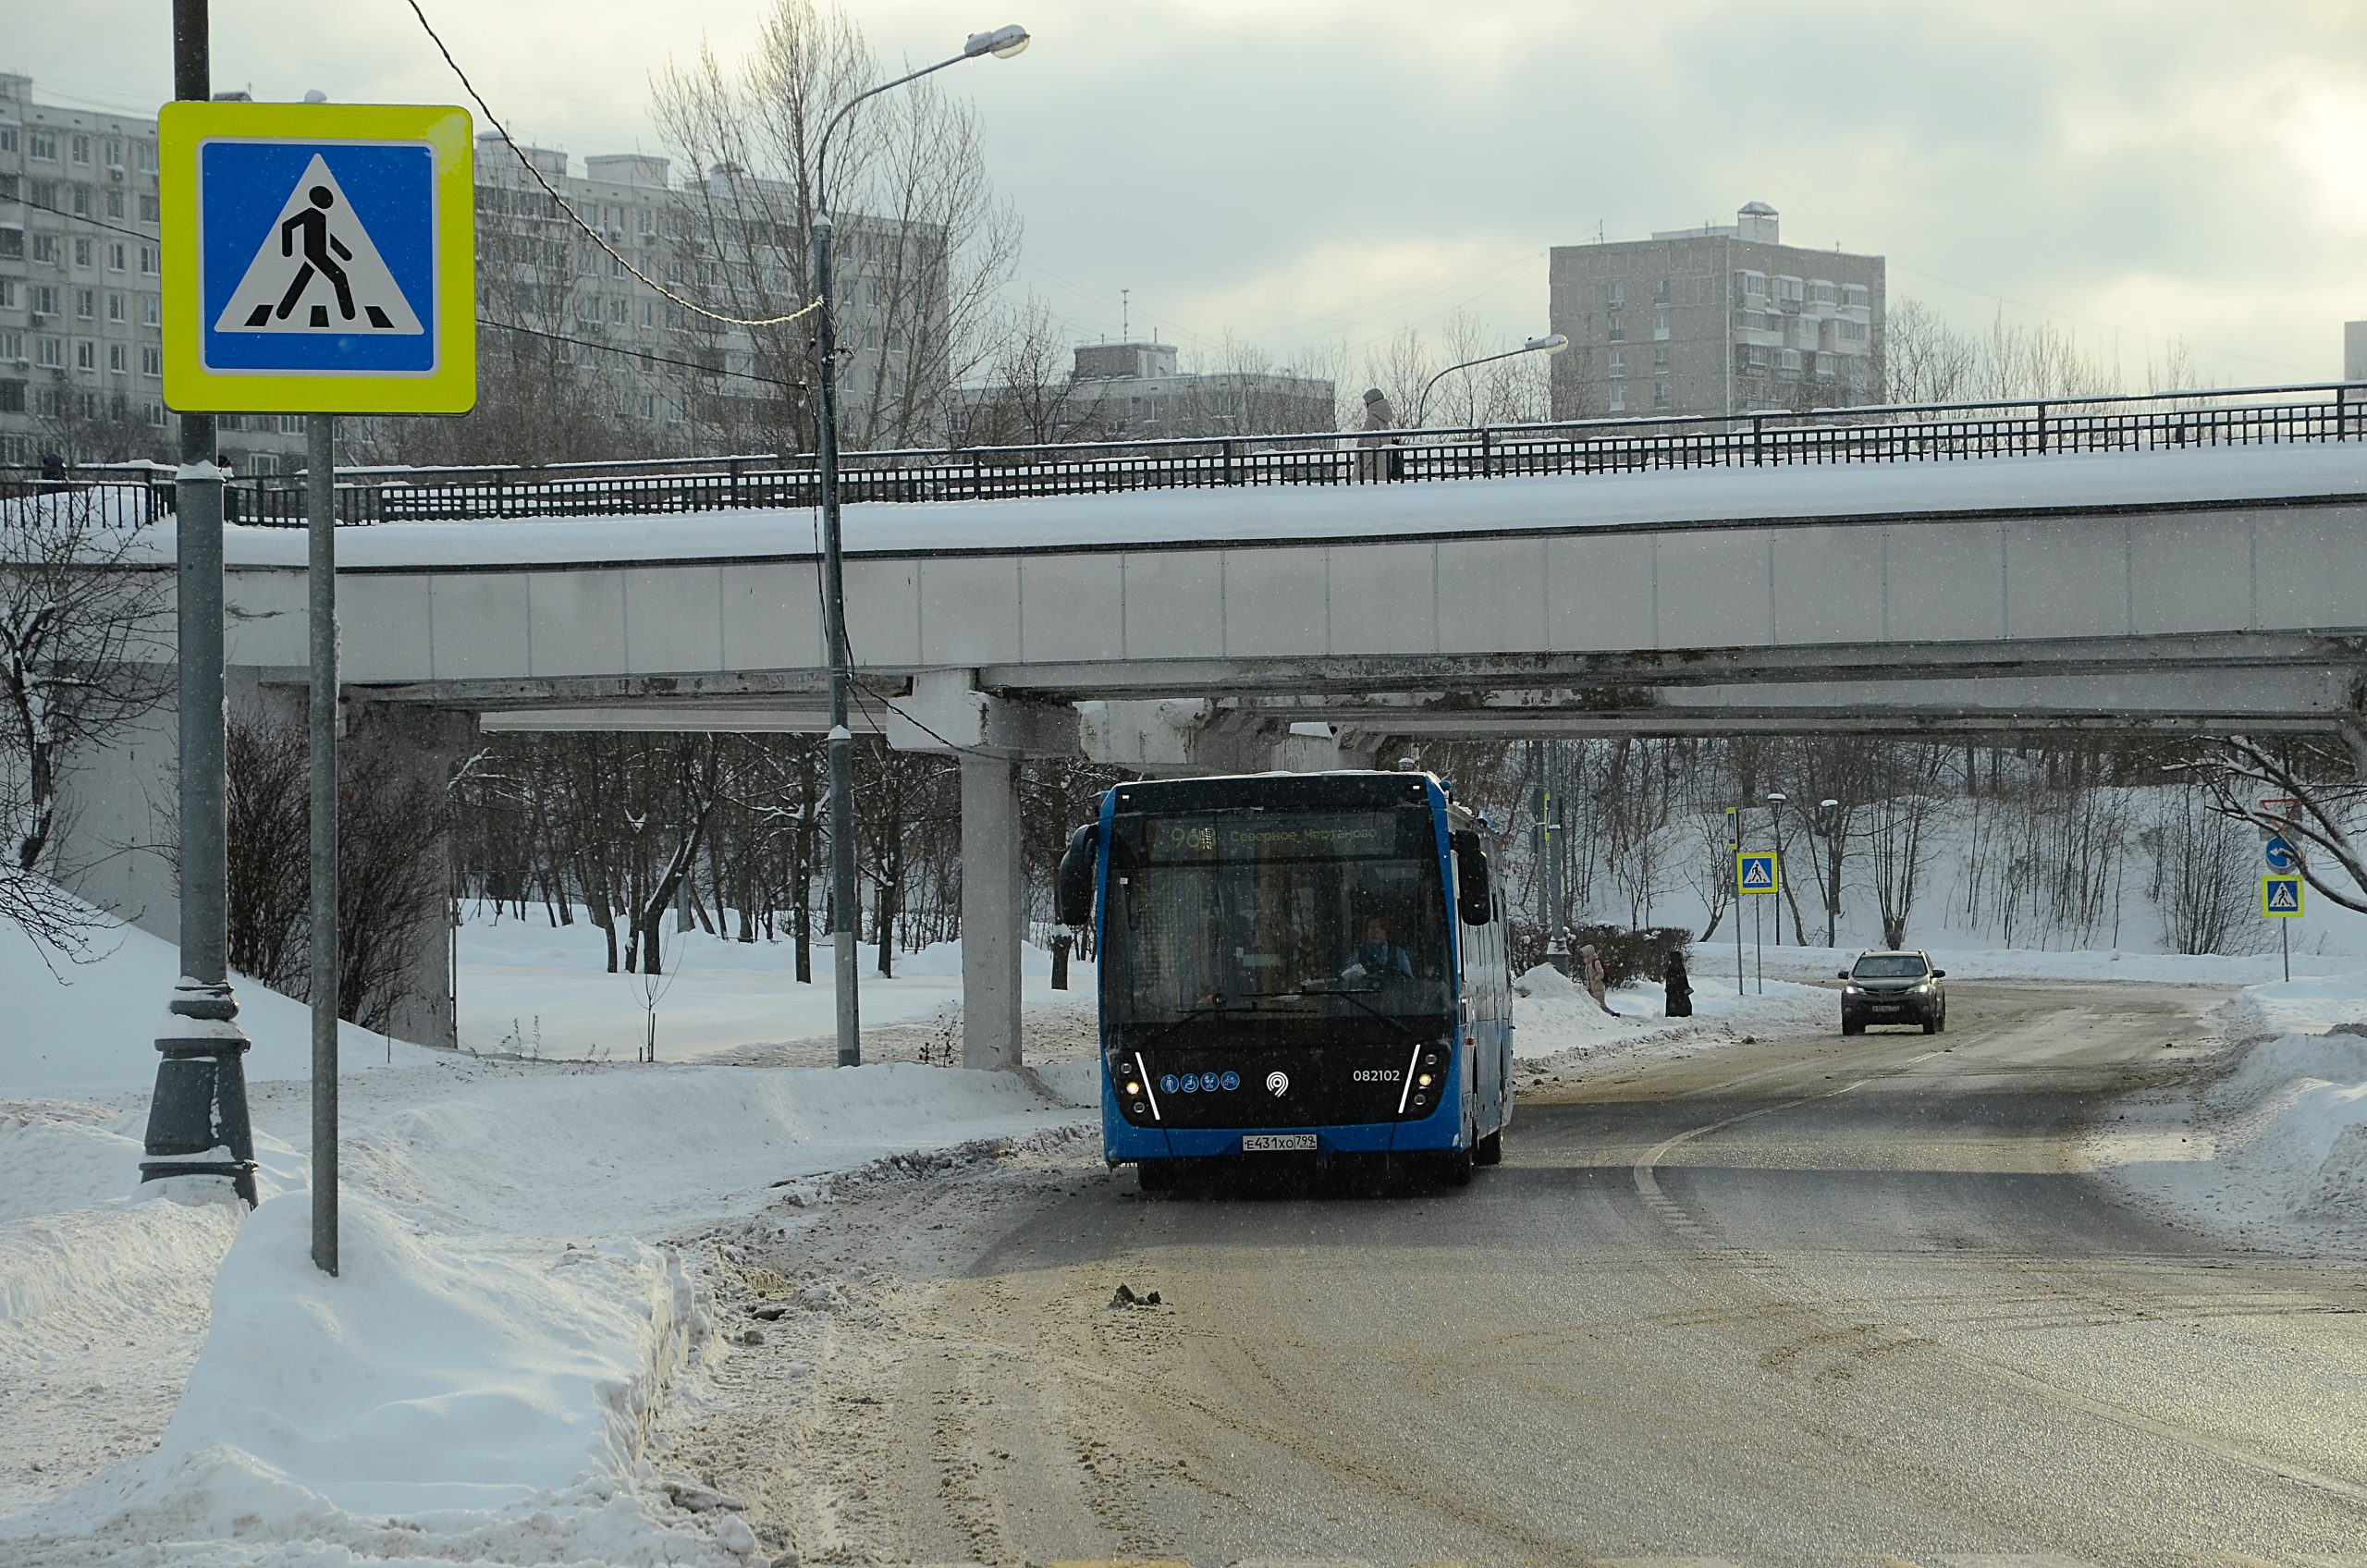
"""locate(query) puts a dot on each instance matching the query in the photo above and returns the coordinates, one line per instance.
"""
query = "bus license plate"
(1265, 1143)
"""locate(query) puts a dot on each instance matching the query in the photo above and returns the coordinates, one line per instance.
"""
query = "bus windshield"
(1275, 915)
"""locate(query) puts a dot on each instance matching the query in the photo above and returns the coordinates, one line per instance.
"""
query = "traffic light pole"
(200, 1104)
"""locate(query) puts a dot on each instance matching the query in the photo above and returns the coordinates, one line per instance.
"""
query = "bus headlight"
(1134, 1087)
(1422, 1080)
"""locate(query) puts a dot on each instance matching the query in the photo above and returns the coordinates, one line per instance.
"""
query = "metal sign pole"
(320, 509)
(1733, 848)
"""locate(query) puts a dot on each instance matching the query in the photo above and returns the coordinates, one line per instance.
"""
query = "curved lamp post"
(1552, 343)
(1003, 42)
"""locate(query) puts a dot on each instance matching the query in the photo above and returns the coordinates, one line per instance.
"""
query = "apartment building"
(1721, 319)
(80, 296)
(81, 348)
(1137, 389)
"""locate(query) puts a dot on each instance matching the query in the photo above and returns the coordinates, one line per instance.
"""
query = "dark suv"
(1893, 987)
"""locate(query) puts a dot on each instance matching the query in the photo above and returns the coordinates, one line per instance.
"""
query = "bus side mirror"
(1079, 865)
(1473, 900)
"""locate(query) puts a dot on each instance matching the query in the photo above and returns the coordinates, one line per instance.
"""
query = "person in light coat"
(1591, 976)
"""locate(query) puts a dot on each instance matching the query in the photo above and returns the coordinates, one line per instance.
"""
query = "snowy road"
(1804, 1301)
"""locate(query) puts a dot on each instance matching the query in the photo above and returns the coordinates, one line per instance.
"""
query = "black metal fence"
(1931, 433)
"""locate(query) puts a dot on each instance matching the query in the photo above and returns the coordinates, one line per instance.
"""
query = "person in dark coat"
(1680, 987)
(53, 473)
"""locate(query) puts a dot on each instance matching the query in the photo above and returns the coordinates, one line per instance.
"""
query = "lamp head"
(1776, 797)
(1003, 42)
(1552, 343)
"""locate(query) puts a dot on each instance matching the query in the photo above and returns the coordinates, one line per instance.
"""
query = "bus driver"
(1377, 956)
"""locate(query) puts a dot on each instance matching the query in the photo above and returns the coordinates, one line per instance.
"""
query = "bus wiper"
(1313, 989)
(1221, 1005)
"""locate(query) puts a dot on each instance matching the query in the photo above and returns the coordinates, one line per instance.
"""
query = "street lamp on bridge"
(1552, 343)
(1003, 42)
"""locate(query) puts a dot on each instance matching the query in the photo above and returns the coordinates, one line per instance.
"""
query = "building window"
(152, 360)
(82, 200)
(115, 203)
(146, 153)
(44, 193)
(148, 209)
(7, 188)
(1660, 360)
(45, 250)
(114, 152)
(115, 359)
(1853, 331)
(1618, 363)
(1788, 367)
(40, 144)
(1853, 296)
(7, 293)
(1787, 293)
(12, 344)
(151, 311)
(1660, 323)
(619, 311)
(148, 259)
(156, 415)
(44, 298)
(86, 303)
(1751, 285)
(81, 148)
(116, 254)
(117, 309)
(81, 252)
(12, 397)
(1614, 293)
(1619, 399)
(1821, 293)
(588, 308)
(86, 355)
(12, 244)
(1618, 327)
(1660, 291)
(1660, 394)
(7, 138)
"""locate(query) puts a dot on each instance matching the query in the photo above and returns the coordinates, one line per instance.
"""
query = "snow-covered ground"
(2267, 1145)
(528, 1237)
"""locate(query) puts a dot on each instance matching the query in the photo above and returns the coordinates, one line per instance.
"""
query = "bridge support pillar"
(994, 912)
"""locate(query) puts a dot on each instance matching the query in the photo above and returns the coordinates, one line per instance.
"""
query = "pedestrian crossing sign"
(2280, 897)
(318, 258)
(1756, 872)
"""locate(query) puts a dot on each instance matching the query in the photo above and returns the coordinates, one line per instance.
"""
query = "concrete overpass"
(1219, 629)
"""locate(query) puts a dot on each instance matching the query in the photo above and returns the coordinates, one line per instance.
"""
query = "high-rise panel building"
(81, 354)
(1721, 319)
(81, 293)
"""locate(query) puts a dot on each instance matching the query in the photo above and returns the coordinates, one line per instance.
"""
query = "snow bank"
(2271, 1146)
(477, 1383)
(1553, 1017)
(89, 1029)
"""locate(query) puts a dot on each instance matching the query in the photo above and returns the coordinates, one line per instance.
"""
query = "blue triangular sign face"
(2284, 895)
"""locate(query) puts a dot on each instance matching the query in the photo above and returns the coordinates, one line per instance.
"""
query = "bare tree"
(923, 245)
(2325, 779)
(83, 653)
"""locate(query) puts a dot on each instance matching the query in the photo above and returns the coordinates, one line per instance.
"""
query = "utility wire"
(82, 217)
(640, 354)
(597, 236)
(2091, 321)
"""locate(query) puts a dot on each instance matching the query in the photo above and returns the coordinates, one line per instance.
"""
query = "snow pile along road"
(2270, 1147)
(521, 1274)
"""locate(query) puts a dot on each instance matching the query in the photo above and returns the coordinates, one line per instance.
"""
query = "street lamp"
(1829, 819)
(1775, 799)
(1003, 42)
(1552, 343)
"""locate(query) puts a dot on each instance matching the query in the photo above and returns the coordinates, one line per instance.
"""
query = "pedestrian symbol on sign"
(2280, 897)
(317, 270)
(1756, 872)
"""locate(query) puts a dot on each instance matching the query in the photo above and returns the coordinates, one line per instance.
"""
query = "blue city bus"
(1298, 967)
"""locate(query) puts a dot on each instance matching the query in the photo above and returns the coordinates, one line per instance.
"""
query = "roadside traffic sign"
(2279, 853)
(318, 258)
(1756, 872)
(2280, 897)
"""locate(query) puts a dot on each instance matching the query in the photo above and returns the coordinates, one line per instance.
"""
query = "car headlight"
(1922, 990)
(1852, 991)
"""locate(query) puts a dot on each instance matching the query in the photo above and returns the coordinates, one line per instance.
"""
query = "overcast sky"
(1328, 170)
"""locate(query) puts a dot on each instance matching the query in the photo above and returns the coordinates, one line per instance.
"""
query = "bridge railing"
(1912, 433)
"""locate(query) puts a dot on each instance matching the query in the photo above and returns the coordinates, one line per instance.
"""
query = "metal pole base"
(200, 1105)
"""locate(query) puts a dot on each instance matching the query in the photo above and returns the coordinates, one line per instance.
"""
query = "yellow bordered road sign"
(2280, 897)
(1757, 871)
(318, 258)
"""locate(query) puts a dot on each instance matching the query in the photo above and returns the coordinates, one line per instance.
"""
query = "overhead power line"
(640, 354)
(565, 206)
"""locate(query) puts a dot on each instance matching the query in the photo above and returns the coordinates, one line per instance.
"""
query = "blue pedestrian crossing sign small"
(1756, 871)
(318, 258)
(2280, 897)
